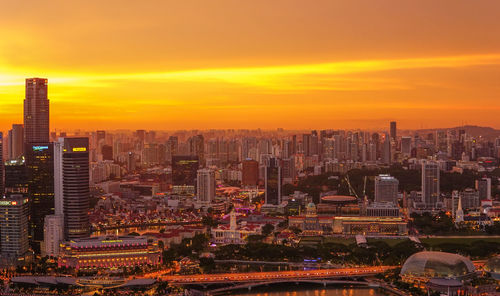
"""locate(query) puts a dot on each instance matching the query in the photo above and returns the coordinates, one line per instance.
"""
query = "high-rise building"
(53, 235)
(386, 156)
(2, 189)
(406, 146)
(40, 170)
(107, 152)
(205, 187)
(273, 182)
(484, 187)
(430, 183)
(196, 147)
(184, 170)
(71, 184)
(386, 189)
(36, 111)
(393, 131)
(14, 215)
(16, 141)
(16, 177)
(250, 172)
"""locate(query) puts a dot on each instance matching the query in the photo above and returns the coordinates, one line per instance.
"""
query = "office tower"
(16, 141)
(406, 146)
(131, 162)
(184, 171)
(247, 146)
(1, 165)
(100, 136)
(150, 154)
(430, 183)
(273, 181)
(250, 173)
(53, 235)
(40, 170)
(205, 187)
(16, 177)
(36, 111)
(107, 152)
(71, 184)
(386, 189)
(386, 156)
(288, 170)
(306, 144)
(14, 226)
(393, 131)
(196, 147)
(484, 187)
(140, 135)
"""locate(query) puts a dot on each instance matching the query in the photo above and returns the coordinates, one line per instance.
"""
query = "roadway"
(274, 275)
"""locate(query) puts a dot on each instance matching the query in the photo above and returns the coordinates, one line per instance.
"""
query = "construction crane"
(364, 186)
(351, 189)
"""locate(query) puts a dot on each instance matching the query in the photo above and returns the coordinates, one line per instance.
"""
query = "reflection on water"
(289, 291)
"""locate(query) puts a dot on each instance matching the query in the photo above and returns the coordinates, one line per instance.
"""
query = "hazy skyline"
(259, 64)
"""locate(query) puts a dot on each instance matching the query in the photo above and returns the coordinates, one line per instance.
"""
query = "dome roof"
(437, 265)
(338, 199)
(311, 205)
(493, 266)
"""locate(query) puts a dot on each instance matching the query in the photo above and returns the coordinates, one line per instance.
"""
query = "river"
(312, 291)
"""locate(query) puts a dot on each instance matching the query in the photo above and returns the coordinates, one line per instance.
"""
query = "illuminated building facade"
(14, 227)
(313, 224)
(184, 170)
(109, 252)
(40, 170)
(72, 193)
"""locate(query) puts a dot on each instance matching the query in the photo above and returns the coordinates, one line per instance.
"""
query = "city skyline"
(191, 65)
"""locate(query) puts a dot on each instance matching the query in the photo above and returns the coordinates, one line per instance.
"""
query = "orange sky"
(247, 64)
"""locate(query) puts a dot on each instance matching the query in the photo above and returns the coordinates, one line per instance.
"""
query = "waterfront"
(313, 291)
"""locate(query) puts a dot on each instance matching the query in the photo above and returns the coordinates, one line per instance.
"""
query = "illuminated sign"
(79, 149)
(40, 148)
(112, 241)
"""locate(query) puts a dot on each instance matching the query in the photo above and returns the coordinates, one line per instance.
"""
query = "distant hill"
(488, 133)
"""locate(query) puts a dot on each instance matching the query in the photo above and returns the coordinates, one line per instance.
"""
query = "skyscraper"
(205, 187)
(184, 170)
(40, 171)
(36, 111)
(430, 183)
(71, 183)
(406, 146)
(16, 141)
(2, 189)
(16, 177)
(386, 155)
(14, 226)
(484, 187)
(250, 172)
(273, 182)
(386, 189)
(393, 130)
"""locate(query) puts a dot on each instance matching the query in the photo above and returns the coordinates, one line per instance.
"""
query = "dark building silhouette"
(107, 152)
(273, 182)
(250, 173)
(184, 170)
(16, 177)
(36, 111)
(393, 130)
(40, 171)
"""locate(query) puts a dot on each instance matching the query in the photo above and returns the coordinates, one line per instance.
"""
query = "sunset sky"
(187, 64)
